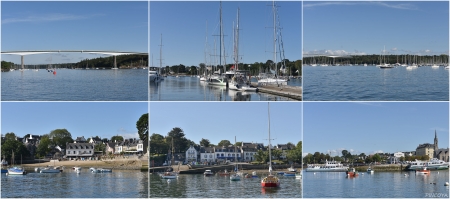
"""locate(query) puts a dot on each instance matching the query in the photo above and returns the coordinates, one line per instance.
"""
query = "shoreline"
(136, 164)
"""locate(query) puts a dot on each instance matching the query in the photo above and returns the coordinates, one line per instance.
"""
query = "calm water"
(192, 89)
(377, 185)
(344, 83)
(75, 85)
(199, 186)
(68, 184)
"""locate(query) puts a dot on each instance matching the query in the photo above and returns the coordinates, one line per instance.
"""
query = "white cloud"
(333, 53)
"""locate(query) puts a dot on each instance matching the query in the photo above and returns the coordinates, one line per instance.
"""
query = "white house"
(79, 150)
(207, 154)
(191, 154)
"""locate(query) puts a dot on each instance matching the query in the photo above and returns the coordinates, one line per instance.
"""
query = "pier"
(293, 92)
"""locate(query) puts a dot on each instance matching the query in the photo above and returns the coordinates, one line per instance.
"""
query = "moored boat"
(424, 171)
(270, 180)
(352, 173)
(369, 170)
(223, 173)
(330, 166)
(290, 174)
(16, 171)
(208, 173)
(169, 175)
(433, 164)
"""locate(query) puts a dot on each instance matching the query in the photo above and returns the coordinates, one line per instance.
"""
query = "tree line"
(292, 68)
(375, 59)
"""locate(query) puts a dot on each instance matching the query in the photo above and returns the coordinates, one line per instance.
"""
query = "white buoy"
(314, 173)
(446, 184)
(168, 180)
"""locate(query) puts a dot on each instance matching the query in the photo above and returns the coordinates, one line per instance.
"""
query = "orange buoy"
(54, 72)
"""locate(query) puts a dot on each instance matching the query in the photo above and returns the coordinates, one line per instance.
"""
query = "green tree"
(15, 146)
(43, 147)
(117, 138)
(262, 156)
(100, 147)
(224, 143)
(10, 136)
(180, 143)
(142, 126)
(238, 144)
(276, 154)
(158, 144)
(60, 137)
(376, 158)
(204, 142)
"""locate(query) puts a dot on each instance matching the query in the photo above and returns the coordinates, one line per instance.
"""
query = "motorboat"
(424, 171)
(254, 175)
(223, 173)
(16, 171)
(298, 175)
(292, 169)
(369, 170)
(330, 166)
(235, 177)
(153, 76)
(351, 173)
(50, 170)
(100, 170)
(169, 175)
(208, 173)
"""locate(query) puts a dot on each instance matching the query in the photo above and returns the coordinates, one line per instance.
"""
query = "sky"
(218, 121)
(185, 27)
(371, 127)
(80, 25)
(103, 119)
(358, 28)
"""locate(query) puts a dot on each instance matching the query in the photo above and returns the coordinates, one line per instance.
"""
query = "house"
(110, 148)
(228, 153)
(80, 140)
(79, 150)
(207, 154)
(129, 146)
(249, 150)
(191, 154)
(95, 140)
(425, 149)
(31, 142)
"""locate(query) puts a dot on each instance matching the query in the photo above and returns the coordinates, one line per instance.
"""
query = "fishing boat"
(352, 173)
(208, 173)
(270, 180)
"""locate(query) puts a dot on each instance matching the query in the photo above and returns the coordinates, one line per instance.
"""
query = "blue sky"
(218, 121)
(352, 27)
(103, 119)
(51, 25)
(184, 31)
(373, 126)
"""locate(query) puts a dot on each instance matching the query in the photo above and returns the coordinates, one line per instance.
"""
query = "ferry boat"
(332, 166)
(433, 164)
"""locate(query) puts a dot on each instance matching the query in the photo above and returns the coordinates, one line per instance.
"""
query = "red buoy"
(54, 72)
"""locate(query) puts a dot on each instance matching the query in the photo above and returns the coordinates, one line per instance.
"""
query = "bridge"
(33, 52)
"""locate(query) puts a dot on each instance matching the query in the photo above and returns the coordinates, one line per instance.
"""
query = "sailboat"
(270, 180)
(273, 77)
(217, 79)
(16, 170)
(239, 80)
(235, 176)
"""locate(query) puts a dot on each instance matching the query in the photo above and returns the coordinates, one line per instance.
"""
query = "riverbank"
(136, 164)
(389, 167)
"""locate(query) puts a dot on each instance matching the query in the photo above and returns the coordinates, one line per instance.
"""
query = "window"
(205, 156)
(68, 152)
(210, 156)
(89, 152)
(74, 152)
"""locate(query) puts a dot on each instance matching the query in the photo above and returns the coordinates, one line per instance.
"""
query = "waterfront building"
(228, 153)
(442, 154)
(249, 150)
(425, 149)
(207, 154)
(79, 150)
(432, 150)
(191, 154)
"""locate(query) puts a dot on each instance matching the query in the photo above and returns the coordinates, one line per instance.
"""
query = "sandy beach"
(135, 164)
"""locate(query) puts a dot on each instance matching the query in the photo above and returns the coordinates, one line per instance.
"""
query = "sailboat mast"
(237, 42)
(220, 37)
(270, 154)
(274, 37)
(160, 54)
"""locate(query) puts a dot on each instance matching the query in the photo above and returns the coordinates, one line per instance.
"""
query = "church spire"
(436, 148)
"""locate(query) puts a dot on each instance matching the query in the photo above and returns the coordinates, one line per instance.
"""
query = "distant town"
(424, 152)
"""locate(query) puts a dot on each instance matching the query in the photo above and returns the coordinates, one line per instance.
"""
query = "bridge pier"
(21, 60)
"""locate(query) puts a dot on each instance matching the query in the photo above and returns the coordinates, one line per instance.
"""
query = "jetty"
(293, 92)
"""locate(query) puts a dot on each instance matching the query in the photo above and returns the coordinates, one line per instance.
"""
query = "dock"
(293, 92)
